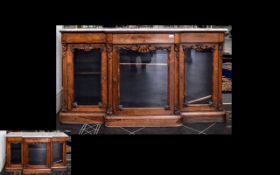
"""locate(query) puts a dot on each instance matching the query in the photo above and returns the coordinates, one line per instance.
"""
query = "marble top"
(36, 134)
(146, 30)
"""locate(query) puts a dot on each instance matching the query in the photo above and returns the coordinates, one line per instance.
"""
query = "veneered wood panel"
(59, 139)
(83, 37)
(36, 140)
(78, 117)
(201, 37)
(14, 139)
(215, 116)
(143, 38)
(143, 121)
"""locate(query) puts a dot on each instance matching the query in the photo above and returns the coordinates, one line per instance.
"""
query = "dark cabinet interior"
(198, 82)
(57, 152)
(87, 70)
(143, 76)
(15, 153)
(37, 154)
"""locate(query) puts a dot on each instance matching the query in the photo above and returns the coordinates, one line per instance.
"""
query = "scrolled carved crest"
(200, 47)
(144, 48)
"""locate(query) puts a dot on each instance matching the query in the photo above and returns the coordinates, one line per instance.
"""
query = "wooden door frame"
(68, 77)
(116, 80)
(216, 77)
(61, 140)
(34, 140)
(9, 164)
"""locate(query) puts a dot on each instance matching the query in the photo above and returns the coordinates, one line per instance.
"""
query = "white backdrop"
(58, 68)
(2, 149)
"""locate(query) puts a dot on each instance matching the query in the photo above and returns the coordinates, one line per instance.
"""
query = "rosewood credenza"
(35, 152)
(134, 77)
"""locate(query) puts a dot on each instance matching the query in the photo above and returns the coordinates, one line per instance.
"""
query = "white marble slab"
(36, 134)
(146, 30)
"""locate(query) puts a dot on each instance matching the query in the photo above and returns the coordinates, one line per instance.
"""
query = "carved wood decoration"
(110, 44)
(64, 49)
(143, 48)
(85, 47)
(200, 47)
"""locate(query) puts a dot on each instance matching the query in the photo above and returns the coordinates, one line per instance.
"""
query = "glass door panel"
(37, 154)
(143, 78)
(198, 73)
(87, 77)
(57, 152)
(15, 153)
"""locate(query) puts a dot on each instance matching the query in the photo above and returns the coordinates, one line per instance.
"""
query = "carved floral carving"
(85, 47)
(200, 47)
(144, 48)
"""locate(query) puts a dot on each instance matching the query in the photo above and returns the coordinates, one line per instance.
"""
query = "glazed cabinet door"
(199, 83)
(58, 153)
(85, 73)
(14, 151)
(143, 78)
(37, 153)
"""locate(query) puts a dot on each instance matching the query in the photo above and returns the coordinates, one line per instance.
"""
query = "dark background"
(28, 85)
